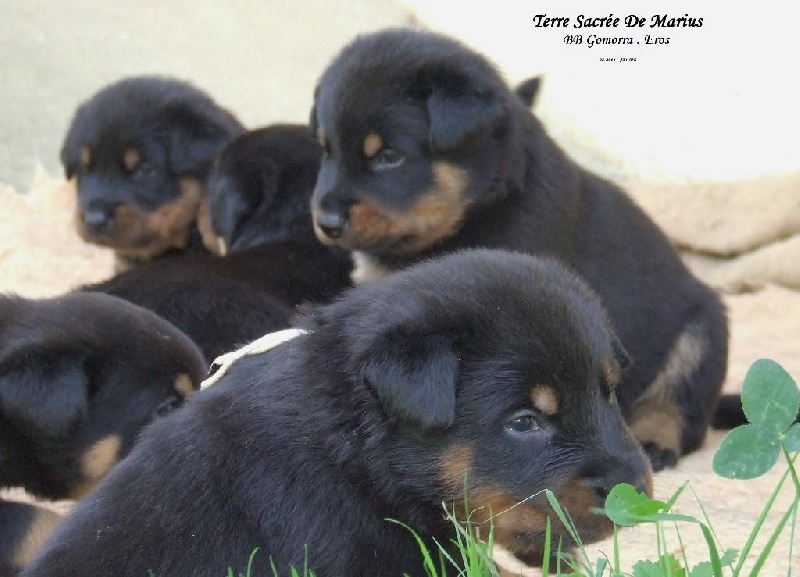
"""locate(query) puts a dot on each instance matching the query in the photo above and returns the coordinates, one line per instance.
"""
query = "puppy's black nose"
(97, 221)
(632, 469)
(332, 224)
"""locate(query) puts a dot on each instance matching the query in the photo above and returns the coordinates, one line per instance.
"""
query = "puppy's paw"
(658, 426)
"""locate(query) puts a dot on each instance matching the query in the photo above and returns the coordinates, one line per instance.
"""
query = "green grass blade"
(792, 471)
(762, 558)
(759, 523)
(272, 566)
(708, 525)
(792, 538)
(713, 552)
(428, 564)
(546, 559)
(249, 570)
(680, 544)
(565, 519)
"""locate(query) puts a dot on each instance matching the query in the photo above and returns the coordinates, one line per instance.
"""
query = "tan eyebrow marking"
(372, 144)
(131, 158)
(85, 156)
(544, 399)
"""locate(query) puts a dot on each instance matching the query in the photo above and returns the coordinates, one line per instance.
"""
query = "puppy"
(259, 189)
(140, 150)
(259, 195)
(428, 151)
(482, 376)
(80, 376)
(259, 199)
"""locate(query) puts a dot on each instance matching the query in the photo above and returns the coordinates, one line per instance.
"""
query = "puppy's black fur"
(486, 372)
(428, 151)
(221, 303)
(259, 194)
(140, 150)
(260, 186)
(80, 376)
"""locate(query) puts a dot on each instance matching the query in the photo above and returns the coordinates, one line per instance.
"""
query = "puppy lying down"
(483, 375)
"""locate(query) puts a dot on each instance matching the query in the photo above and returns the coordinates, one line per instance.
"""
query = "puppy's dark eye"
(523, 423)
(386, 159)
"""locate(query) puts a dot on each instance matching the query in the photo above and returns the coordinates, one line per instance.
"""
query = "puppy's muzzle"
(331, 224)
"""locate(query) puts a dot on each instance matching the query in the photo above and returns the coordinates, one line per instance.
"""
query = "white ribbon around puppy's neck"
(258, 346)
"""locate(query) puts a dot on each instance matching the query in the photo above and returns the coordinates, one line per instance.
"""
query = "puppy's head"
(140, 150)
(496, 372)
(80, 376)
(412, 129)
(259, 189)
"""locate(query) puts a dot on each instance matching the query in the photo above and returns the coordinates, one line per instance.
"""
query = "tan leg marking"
(39, 531)
(96, 463)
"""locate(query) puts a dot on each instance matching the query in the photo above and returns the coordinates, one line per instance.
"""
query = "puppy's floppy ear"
(458, 109)
(233, 201)
(70, 149)
(44, 391)
(415, 379)
(195, 136)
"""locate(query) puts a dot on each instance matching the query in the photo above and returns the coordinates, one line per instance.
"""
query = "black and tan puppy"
(80, 376)
(428, 151)
(259, 195)
(259, 198)
(488, 370)
(140, 150)
(260, 186)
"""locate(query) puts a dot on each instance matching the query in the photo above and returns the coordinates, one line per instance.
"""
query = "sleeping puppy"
(428, 151)
(260, 186)
(484, 375)
(140, 150)
(259, 194)
(80, 376)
